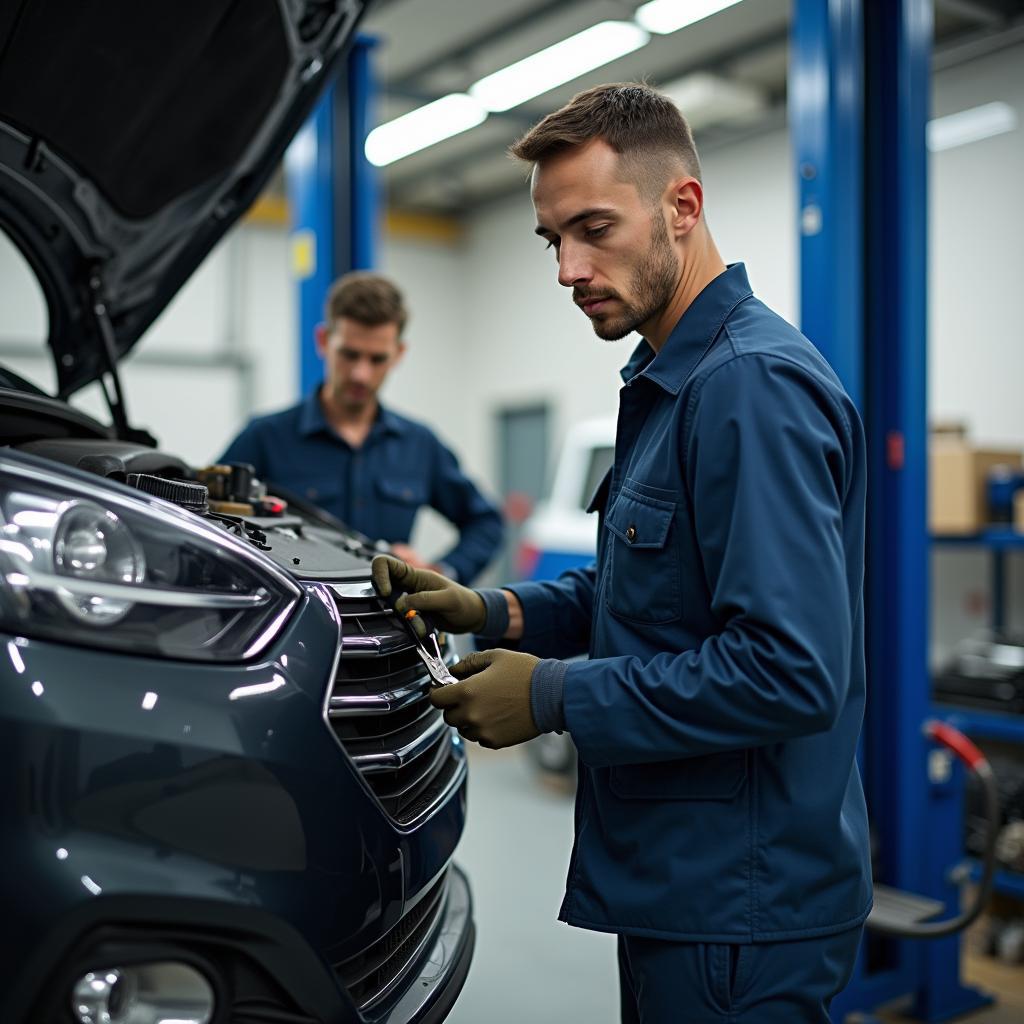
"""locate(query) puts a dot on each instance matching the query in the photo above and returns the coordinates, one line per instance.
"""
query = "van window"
(599, 464)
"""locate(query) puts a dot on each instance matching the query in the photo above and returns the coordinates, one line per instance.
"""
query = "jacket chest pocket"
(404, 493)
(398, 501)
(321, 490)
(644, 583)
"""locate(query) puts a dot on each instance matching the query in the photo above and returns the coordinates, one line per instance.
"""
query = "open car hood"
(133, 135)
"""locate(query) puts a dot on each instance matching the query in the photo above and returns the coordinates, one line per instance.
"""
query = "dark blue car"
(226, 797)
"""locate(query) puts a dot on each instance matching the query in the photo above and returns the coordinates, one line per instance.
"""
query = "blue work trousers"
(711, 983)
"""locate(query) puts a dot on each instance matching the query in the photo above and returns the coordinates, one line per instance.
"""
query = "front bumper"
(224, 817)
(258, 965)
(442, 971)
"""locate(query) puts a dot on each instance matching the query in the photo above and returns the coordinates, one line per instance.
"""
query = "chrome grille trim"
(344, 704)
(379, 710)
(402, 755)
(353, 590)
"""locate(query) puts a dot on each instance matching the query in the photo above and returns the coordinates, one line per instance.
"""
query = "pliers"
(439, 674)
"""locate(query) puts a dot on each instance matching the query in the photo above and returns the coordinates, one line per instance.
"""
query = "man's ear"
(686, 201)
(399, 353)
(320, 334)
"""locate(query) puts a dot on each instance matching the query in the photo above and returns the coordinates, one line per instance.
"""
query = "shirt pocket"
(709, 777)
(402, 492)
(324, 491)
(398, 501)
(644, 583)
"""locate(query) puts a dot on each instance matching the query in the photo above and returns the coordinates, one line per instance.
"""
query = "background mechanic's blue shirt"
(718, 718)
(377, 488)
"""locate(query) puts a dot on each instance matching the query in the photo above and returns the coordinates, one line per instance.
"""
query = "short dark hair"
(641, 124)
(368, 298)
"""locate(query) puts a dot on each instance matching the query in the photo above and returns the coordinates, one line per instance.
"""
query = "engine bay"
(301, 538)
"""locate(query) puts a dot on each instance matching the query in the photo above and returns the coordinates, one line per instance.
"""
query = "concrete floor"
(528, 966)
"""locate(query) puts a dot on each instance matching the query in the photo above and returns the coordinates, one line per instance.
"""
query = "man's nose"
(361, 370)
(573, 269)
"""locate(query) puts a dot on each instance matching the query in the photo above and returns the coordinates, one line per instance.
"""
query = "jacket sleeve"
(557, 614)
(769, 456)
(248, 447)
(479, 523)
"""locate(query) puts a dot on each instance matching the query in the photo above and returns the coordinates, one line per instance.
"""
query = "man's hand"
(492, 703)
(452, 607)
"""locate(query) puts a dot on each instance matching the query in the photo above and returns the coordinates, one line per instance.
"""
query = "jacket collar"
(693, 334)
(313, 421)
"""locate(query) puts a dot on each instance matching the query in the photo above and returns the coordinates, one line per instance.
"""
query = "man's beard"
(653, 282)
(342, 401)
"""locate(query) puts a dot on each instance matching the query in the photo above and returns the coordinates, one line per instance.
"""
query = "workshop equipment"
(909, 916)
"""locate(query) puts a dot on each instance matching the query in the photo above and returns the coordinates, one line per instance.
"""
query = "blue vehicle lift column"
(333, 197)
(859, 87)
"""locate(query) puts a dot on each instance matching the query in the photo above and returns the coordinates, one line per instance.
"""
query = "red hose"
(956, 741)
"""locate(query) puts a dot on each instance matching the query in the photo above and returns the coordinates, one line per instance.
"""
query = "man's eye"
(596, 232)
(552, 244)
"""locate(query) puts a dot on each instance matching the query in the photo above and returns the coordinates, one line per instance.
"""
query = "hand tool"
(439, 674)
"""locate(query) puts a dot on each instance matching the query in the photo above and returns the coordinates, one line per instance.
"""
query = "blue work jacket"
(377, 488)
(718, 716)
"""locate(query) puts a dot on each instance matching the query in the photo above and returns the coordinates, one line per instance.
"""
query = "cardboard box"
(957, 475)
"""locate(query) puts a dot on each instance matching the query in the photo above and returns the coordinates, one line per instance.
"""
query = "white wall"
(976, 344)
(427, 383)
(221, 350)
(976, 220)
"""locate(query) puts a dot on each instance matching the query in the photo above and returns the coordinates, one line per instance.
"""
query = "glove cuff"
(495, 614)
(546, 685)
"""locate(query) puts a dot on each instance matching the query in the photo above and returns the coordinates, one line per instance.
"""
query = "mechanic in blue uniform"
(721, 830)
(343, 450)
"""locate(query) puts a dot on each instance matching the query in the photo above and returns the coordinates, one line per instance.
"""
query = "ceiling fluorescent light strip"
(665, 16)
(554, 66)
(970, 126)
(425, 126)
(534, 75)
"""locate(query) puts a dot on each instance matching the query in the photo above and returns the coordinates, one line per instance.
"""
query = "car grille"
(380, 711)
(372, 974)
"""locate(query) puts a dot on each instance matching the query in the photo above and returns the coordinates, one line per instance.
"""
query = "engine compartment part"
(304, 540)
(107, 457)
(188, 495)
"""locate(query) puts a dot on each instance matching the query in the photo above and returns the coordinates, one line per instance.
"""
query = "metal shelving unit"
(992, 725)
(987, 724)
(995, 538)
(999, 541)
(1010, 883)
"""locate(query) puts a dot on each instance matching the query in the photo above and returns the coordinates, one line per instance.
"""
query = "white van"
(560, 535)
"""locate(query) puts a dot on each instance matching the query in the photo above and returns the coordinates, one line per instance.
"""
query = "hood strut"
(110, 380)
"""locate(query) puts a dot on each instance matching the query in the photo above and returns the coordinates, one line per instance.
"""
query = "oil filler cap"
(186, 493)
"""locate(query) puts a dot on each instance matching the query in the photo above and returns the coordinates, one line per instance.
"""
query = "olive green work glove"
(491, 705)
(451, 606)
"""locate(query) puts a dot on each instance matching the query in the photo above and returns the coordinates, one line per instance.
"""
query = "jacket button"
(631, 534)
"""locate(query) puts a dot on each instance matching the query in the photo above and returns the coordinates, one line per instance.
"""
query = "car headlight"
(85, 562)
